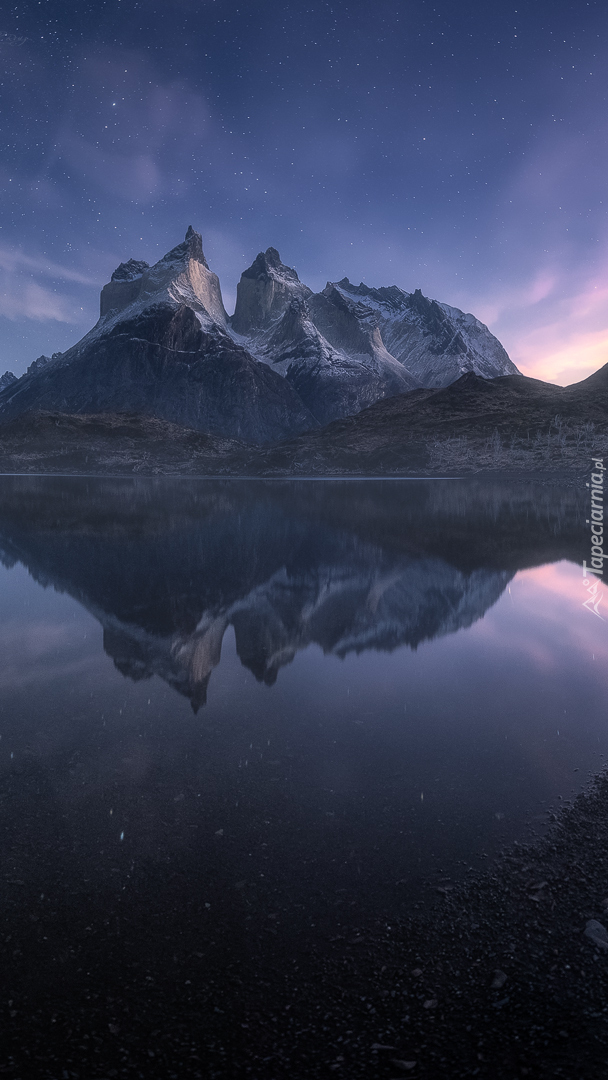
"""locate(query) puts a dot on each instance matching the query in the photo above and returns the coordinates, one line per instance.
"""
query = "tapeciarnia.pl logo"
(595, 570)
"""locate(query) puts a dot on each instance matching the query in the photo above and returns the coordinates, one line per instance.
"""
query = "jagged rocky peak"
(388, 295)
(130, 270)
(386, 298)
(265, 291)
(7, 379)
(181, 276)
(437, 322)
(190, 248)
(428, 310)
(124, 286)
(287, 361)
(40, 362)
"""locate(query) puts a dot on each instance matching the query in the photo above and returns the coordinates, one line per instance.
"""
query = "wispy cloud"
(32, 301)
(554, 232)
(13, 260)
(22, 296)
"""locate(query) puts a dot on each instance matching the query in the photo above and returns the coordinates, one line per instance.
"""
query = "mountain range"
(288, 360)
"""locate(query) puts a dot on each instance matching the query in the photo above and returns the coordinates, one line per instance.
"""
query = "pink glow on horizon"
(550, 332)
(550, 308)
(570, 364)
(563, 352)
(550, 598)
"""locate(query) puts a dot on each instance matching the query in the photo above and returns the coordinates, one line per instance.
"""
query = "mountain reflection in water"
(167, 567)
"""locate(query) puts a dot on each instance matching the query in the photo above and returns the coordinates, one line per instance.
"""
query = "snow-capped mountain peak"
(181, 276)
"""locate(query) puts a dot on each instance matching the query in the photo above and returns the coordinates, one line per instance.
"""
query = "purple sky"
(459, 148)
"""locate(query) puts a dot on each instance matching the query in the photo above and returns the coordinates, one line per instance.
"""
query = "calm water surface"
(303, 701)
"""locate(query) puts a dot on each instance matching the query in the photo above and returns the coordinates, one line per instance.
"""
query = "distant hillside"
(476, 424)
(511, 424)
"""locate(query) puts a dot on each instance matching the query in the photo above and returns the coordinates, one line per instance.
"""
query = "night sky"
(460, 148)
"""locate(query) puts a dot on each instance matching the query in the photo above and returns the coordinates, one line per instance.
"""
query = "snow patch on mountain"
(437, 343)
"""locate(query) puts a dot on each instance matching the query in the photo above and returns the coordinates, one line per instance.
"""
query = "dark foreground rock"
(492, 977)
(161, 363)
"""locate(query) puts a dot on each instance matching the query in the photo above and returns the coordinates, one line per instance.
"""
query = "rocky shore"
(500, 975)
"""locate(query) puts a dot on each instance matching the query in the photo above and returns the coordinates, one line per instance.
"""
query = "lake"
(239, 718)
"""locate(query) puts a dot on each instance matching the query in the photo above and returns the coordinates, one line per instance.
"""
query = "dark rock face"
(162, 363)
(37, 364)
(175, 329)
